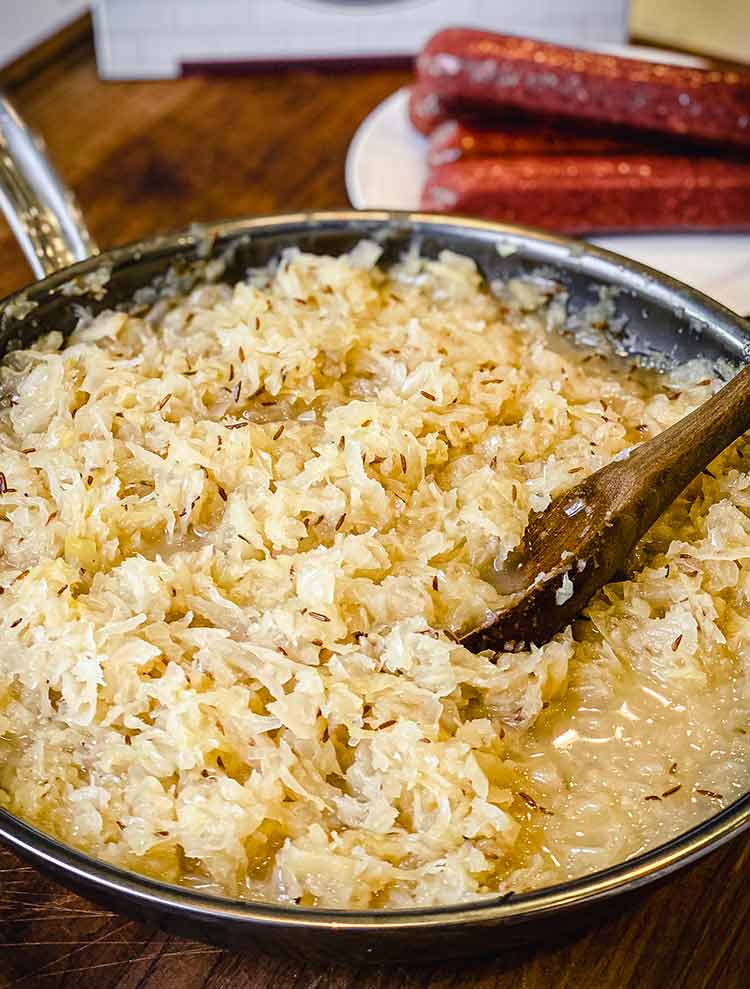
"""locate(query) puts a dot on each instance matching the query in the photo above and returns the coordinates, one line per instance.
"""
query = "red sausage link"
(590, 194)
(426, 110)
(454, 141)
(504, 71)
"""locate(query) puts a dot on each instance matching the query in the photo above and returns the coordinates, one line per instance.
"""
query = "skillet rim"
(648, 867)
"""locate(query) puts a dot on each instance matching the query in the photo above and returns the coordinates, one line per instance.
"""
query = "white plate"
(386, 167)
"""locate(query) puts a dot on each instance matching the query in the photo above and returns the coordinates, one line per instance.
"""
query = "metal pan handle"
(41, 211)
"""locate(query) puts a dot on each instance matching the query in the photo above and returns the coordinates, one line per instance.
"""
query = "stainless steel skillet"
(661, 314)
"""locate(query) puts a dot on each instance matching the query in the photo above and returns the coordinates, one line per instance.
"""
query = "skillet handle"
(41, 211)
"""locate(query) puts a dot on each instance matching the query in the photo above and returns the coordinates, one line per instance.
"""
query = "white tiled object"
(24, 23)
(150, 39)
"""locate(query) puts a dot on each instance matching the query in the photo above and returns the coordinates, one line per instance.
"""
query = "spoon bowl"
(586, 535)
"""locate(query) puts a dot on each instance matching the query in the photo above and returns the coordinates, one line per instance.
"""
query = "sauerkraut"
(239, 535)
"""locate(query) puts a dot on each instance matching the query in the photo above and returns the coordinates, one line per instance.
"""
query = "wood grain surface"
(148, 157)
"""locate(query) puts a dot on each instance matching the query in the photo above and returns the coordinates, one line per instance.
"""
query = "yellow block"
(709, 27)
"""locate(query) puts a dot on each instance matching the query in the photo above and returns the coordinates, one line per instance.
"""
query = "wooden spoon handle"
(664, 466)
(587, 534)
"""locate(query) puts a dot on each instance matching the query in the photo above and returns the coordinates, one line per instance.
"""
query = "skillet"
(661, 316)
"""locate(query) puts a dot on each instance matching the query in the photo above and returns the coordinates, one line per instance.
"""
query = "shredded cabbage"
(238, 536)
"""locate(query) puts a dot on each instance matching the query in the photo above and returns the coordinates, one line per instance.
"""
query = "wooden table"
(146, 157)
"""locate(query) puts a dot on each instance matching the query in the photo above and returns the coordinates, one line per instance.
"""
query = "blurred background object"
(25, 23)
(164, 38)
(143, 39)
(720, 28)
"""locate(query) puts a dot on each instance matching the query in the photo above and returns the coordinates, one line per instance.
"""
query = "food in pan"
(241, 531)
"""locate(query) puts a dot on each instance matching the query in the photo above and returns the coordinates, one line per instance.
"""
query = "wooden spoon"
(585, 536)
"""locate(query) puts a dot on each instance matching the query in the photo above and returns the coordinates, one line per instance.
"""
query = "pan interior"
(655, 326)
